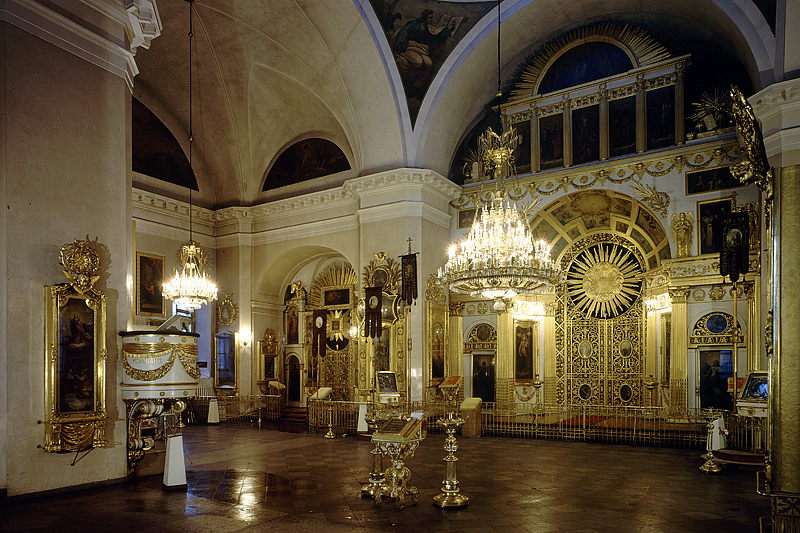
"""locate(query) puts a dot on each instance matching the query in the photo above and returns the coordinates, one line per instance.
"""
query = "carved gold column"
(679, 99)
(754, 332)
(567, 142)
(784, 455)
(679, 359)
(651, 344)
(536, 158)
(604, 150)
(549, 368)
(504, 361)
(455, 329)
(641, 115)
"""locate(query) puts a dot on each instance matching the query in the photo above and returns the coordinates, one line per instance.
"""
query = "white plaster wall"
(65, 130)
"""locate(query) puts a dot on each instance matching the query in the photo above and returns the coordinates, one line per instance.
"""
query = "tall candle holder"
(710, 467)
(377, 477)
(450, 496)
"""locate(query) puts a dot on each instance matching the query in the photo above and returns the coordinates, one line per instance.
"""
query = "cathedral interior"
(540, 220)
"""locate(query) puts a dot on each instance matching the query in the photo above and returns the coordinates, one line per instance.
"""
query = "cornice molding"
(229, 222)
(404, 176)
(172, 209)
(778, 109)
(771, 99)
(102, 32)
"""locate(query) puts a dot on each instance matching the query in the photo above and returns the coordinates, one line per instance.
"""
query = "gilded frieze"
(699, 295)
(483, 336)
(715, 328)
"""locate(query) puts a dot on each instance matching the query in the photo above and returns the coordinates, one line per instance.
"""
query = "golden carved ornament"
(382, 271)
(682, 232)
(753, 167)
(187, 355)
(227, 311)
(80, 264)
(658, 201)
(435, 293)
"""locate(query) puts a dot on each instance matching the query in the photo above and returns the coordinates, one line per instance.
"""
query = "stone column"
(504, 361)
(784, 454)
(678, 362)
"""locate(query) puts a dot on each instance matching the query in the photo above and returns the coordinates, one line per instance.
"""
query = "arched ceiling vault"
(267, 72)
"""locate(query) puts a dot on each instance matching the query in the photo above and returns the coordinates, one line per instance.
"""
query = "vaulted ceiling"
(269, 73)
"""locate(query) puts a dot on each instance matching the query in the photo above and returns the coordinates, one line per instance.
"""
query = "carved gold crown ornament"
(499, 258)
(191, 287)
(80, 264)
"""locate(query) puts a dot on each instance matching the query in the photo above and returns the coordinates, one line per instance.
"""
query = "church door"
(293, 394)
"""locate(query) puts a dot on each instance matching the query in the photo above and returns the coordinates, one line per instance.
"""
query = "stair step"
(739, 458)
(294, 415)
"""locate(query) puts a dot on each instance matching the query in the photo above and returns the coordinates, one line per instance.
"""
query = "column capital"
(679, 294)
(456, 309)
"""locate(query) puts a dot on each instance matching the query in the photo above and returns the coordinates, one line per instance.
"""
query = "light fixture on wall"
(499, 258)
(191, 287)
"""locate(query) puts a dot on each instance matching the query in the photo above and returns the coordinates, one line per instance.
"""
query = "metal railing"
(343, 417)
(607, 424)
(644, 426)
(255, 408)
(745, 433)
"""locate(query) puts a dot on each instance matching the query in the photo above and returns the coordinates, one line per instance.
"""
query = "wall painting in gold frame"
(75, 355)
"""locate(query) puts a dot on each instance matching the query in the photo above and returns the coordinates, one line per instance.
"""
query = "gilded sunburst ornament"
(604, 280)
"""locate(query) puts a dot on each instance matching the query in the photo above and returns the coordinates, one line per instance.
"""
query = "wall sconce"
(244, 336)
(650, 305)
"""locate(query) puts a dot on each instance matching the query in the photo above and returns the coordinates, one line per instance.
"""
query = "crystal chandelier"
(191, 287)
(499, 259)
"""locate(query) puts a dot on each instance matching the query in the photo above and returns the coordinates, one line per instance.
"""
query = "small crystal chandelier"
(191, 287)
(499, 259)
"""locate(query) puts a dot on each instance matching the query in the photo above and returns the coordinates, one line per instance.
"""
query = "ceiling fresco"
(421, 34)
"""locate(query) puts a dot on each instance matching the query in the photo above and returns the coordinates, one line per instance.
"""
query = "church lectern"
(398, 438)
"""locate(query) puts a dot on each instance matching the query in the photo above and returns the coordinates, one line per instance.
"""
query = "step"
(740, 458)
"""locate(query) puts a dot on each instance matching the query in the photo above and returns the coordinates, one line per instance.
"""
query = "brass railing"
(607, 424)
(746, 433)
(645, 426)
(255, 408)
(343, 417)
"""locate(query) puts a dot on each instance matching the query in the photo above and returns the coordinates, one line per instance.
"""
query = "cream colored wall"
(65, 131)
(3, 272)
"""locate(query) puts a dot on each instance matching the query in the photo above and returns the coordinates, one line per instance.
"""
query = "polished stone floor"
(250, 478)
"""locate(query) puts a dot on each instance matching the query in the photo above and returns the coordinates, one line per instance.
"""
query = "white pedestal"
(362, 421)
(718, 440)
(213, 411)
(174, 466)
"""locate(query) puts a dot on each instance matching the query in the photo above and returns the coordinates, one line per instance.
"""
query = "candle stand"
(710, 467)
(450, 496)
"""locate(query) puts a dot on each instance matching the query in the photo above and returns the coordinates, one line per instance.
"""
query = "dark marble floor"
(248, 479)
